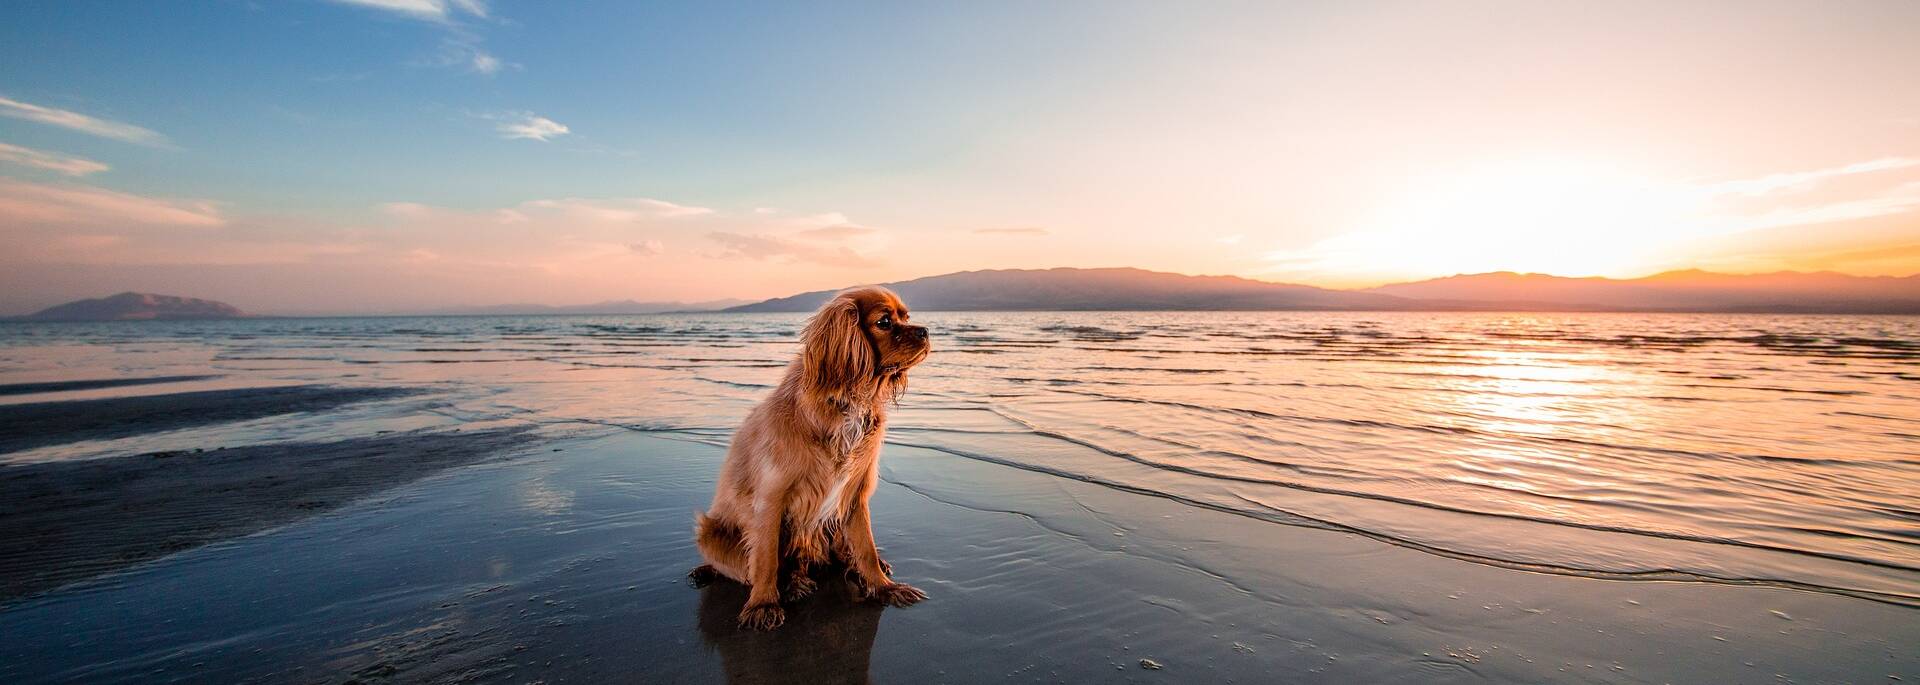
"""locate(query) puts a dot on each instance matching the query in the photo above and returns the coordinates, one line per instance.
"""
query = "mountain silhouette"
(131, 306)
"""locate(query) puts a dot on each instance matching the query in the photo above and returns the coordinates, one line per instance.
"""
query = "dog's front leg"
(866, 561)
(763, 611)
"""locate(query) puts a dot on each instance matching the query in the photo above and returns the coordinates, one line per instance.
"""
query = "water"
(1779, 450)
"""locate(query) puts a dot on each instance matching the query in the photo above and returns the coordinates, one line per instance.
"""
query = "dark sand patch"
(39, 424)
(93, 384)
(65, 521)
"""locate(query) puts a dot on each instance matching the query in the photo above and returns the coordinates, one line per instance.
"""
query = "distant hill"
(1120, 289)
(1127, 289)
(609, 307)
(1139, 290)
(136, 306)
(1692, 291)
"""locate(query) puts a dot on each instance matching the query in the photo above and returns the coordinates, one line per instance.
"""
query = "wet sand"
(67, 520)
(92, 384)
(39, 424)
(567, 566)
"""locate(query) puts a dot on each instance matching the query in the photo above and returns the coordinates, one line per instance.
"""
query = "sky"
(315, 156)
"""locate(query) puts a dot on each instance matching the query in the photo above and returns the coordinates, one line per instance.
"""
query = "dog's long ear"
(835, 355)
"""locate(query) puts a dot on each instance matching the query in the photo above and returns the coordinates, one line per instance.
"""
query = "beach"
(520, 510)
(568, 566)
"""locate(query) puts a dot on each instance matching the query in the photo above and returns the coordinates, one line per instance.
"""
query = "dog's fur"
(793, 491)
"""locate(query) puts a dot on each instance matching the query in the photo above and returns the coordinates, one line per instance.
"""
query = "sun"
(1564, 217)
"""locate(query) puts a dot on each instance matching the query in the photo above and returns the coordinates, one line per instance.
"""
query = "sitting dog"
(793, 490)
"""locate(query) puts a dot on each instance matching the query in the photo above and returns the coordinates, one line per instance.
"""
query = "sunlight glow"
(1564, 217)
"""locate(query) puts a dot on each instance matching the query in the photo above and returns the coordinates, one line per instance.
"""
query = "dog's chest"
(852, 430)
(832, 501)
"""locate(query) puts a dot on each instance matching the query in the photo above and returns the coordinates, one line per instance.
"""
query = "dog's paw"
(886, 568)
(799, 586)
(702, 575)
(898, 594)
(762, 617)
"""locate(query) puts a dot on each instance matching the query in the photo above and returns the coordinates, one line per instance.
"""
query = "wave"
(1273, 514)
(1463, 430)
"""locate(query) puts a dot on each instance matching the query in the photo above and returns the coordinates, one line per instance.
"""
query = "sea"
(1720, 448)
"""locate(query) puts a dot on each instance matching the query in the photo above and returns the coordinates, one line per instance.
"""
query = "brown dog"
(797, 477)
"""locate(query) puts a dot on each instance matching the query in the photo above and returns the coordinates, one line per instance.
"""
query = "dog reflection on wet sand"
(828, 638)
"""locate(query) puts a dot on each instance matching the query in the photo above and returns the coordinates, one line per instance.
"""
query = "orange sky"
(1335, 144)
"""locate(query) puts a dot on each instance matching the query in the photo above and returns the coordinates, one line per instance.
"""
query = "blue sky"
(324, 155)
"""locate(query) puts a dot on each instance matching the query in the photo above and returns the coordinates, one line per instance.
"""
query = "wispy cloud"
(842, 245)
(527, 126)
(615, 209)
(49, 161)
(840, 232)
(413, 254)
(1022, 230)
(484, 63)
(81, 122)
(429, 10)
(26, 203)
(464, 52)
(1807, 179)
(461, 48)
(760, 246)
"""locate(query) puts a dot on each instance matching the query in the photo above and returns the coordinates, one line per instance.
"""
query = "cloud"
(476, 8)
(628, 209)
(25, 203)
(1806, 179)
(526, 126)
(841, 245)
(429, 10)
(404, 254)
(465, 52)
(610, 213)
(647, 248)
(760, 246)
(462, 48)
(841, 232)
(50, 161)
(1022, 230)
(484, 63)
(82, 123)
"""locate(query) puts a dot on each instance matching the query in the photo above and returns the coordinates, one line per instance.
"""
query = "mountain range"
(1690, 290)
(131, 306)
(1127, 289)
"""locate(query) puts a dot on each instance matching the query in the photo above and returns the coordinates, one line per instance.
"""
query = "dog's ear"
(835, 355)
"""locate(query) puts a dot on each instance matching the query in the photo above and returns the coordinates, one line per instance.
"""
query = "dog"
(793, 490)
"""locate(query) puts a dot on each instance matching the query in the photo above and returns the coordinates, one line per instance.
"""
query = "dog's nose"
(917, 333)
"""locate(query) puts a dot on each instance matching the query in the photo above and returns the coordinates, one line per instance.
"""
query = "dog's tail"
(704, 526)
(720, 543)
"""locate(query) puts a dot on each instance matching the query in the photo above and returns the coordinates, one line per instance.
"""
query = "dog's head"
(860, 340)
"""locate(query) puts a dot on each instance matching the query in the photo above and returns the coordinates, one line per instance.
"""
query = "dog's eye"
(885, 322)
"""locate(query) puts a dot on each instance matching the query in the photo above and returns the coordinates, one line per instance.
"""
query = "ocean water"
(1746, 449)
